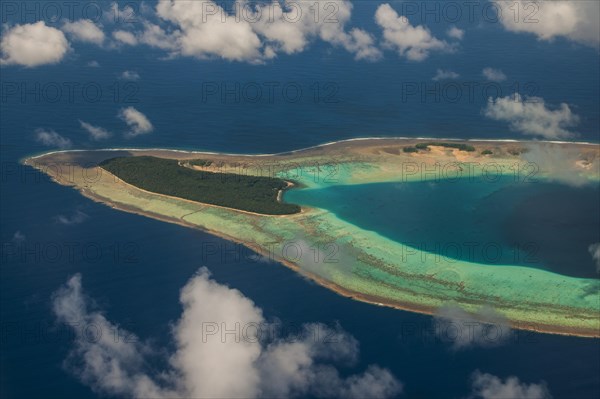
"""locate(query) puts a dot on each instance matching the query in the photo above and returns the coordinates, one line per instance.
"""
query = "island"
(258, 194)
(239, 198)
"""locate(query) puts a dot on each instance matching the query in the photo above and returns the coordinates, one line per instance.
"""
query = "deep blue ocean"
(134, 267)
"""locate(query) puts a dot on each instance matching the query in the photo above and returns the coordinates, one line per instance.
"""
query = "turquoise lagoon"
(499, 221)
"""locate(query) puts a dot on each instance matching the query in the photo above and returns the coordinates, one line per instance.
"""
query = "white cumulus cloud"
(558, 162)
(33, 45)
(530, 116)
(484, 328)
(137, 122)
(442, 74)
(361, 43)
(155, 36)
(488, 386)
(18, 237)
(455, 33)
(575, 20)
(125, 37)
(130, 75)
(254, 32)
(76, 217)
(413, 42)
(203, 32)
(84, 30)
(493, 75)
(217, 352)
(95, 132)
(52, 139)
(291, 31)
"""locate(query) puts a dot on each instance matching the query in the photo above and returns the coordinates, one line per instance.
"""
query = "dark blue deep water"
(134, 267)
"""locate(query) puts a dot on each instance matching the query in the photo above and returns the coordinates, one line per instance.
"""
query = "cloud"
(530, 116)
(575, 20)
(137, 122)
(95, 132)
(361, 43)
(130, 75)
(494, 75)
(18, 237)
(253, 32)
(125, 37)
(291, 31)
(33, 45)
(203, 32)
(488, 386)
(455, 33)
(413, 42)
(443, 75)
(77, 217)
(217, 354)
(93, 64)
(557, 163)
(52, 139)
(98, 355)
(595, 252)
(484, 328)
(126, 14)
(155, 36)
(84, 30)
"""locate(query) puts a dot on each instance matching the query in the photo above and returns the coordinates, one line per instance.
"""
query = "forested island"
(257, 194)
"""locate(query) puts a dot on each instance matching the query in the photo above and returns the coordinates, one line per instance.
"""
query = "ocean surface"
(134, 267)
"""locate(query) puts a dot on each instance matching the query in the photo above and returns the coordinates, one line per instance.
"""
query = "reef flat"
(363, 264)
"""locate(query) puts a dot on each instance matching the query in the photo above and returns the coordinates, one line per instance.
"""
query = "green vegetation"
(165, 176)
(486, 152)
(461, 147)
(517, 151)
(425, 146)
(200, 162)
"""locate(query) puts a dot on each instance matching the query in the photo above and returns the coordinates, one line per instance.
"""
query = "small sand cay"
(371, 268)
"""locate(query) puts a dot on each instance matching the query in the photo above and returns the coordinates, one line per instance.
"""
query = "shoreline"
(318, 146)
(374, 150)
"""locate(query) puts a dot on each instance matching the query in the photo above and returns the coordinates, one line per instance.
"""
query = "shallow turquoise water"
(536, 224)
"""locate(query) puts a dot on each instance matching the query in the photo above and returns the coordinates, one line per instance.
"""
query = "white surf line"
(315, 146)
